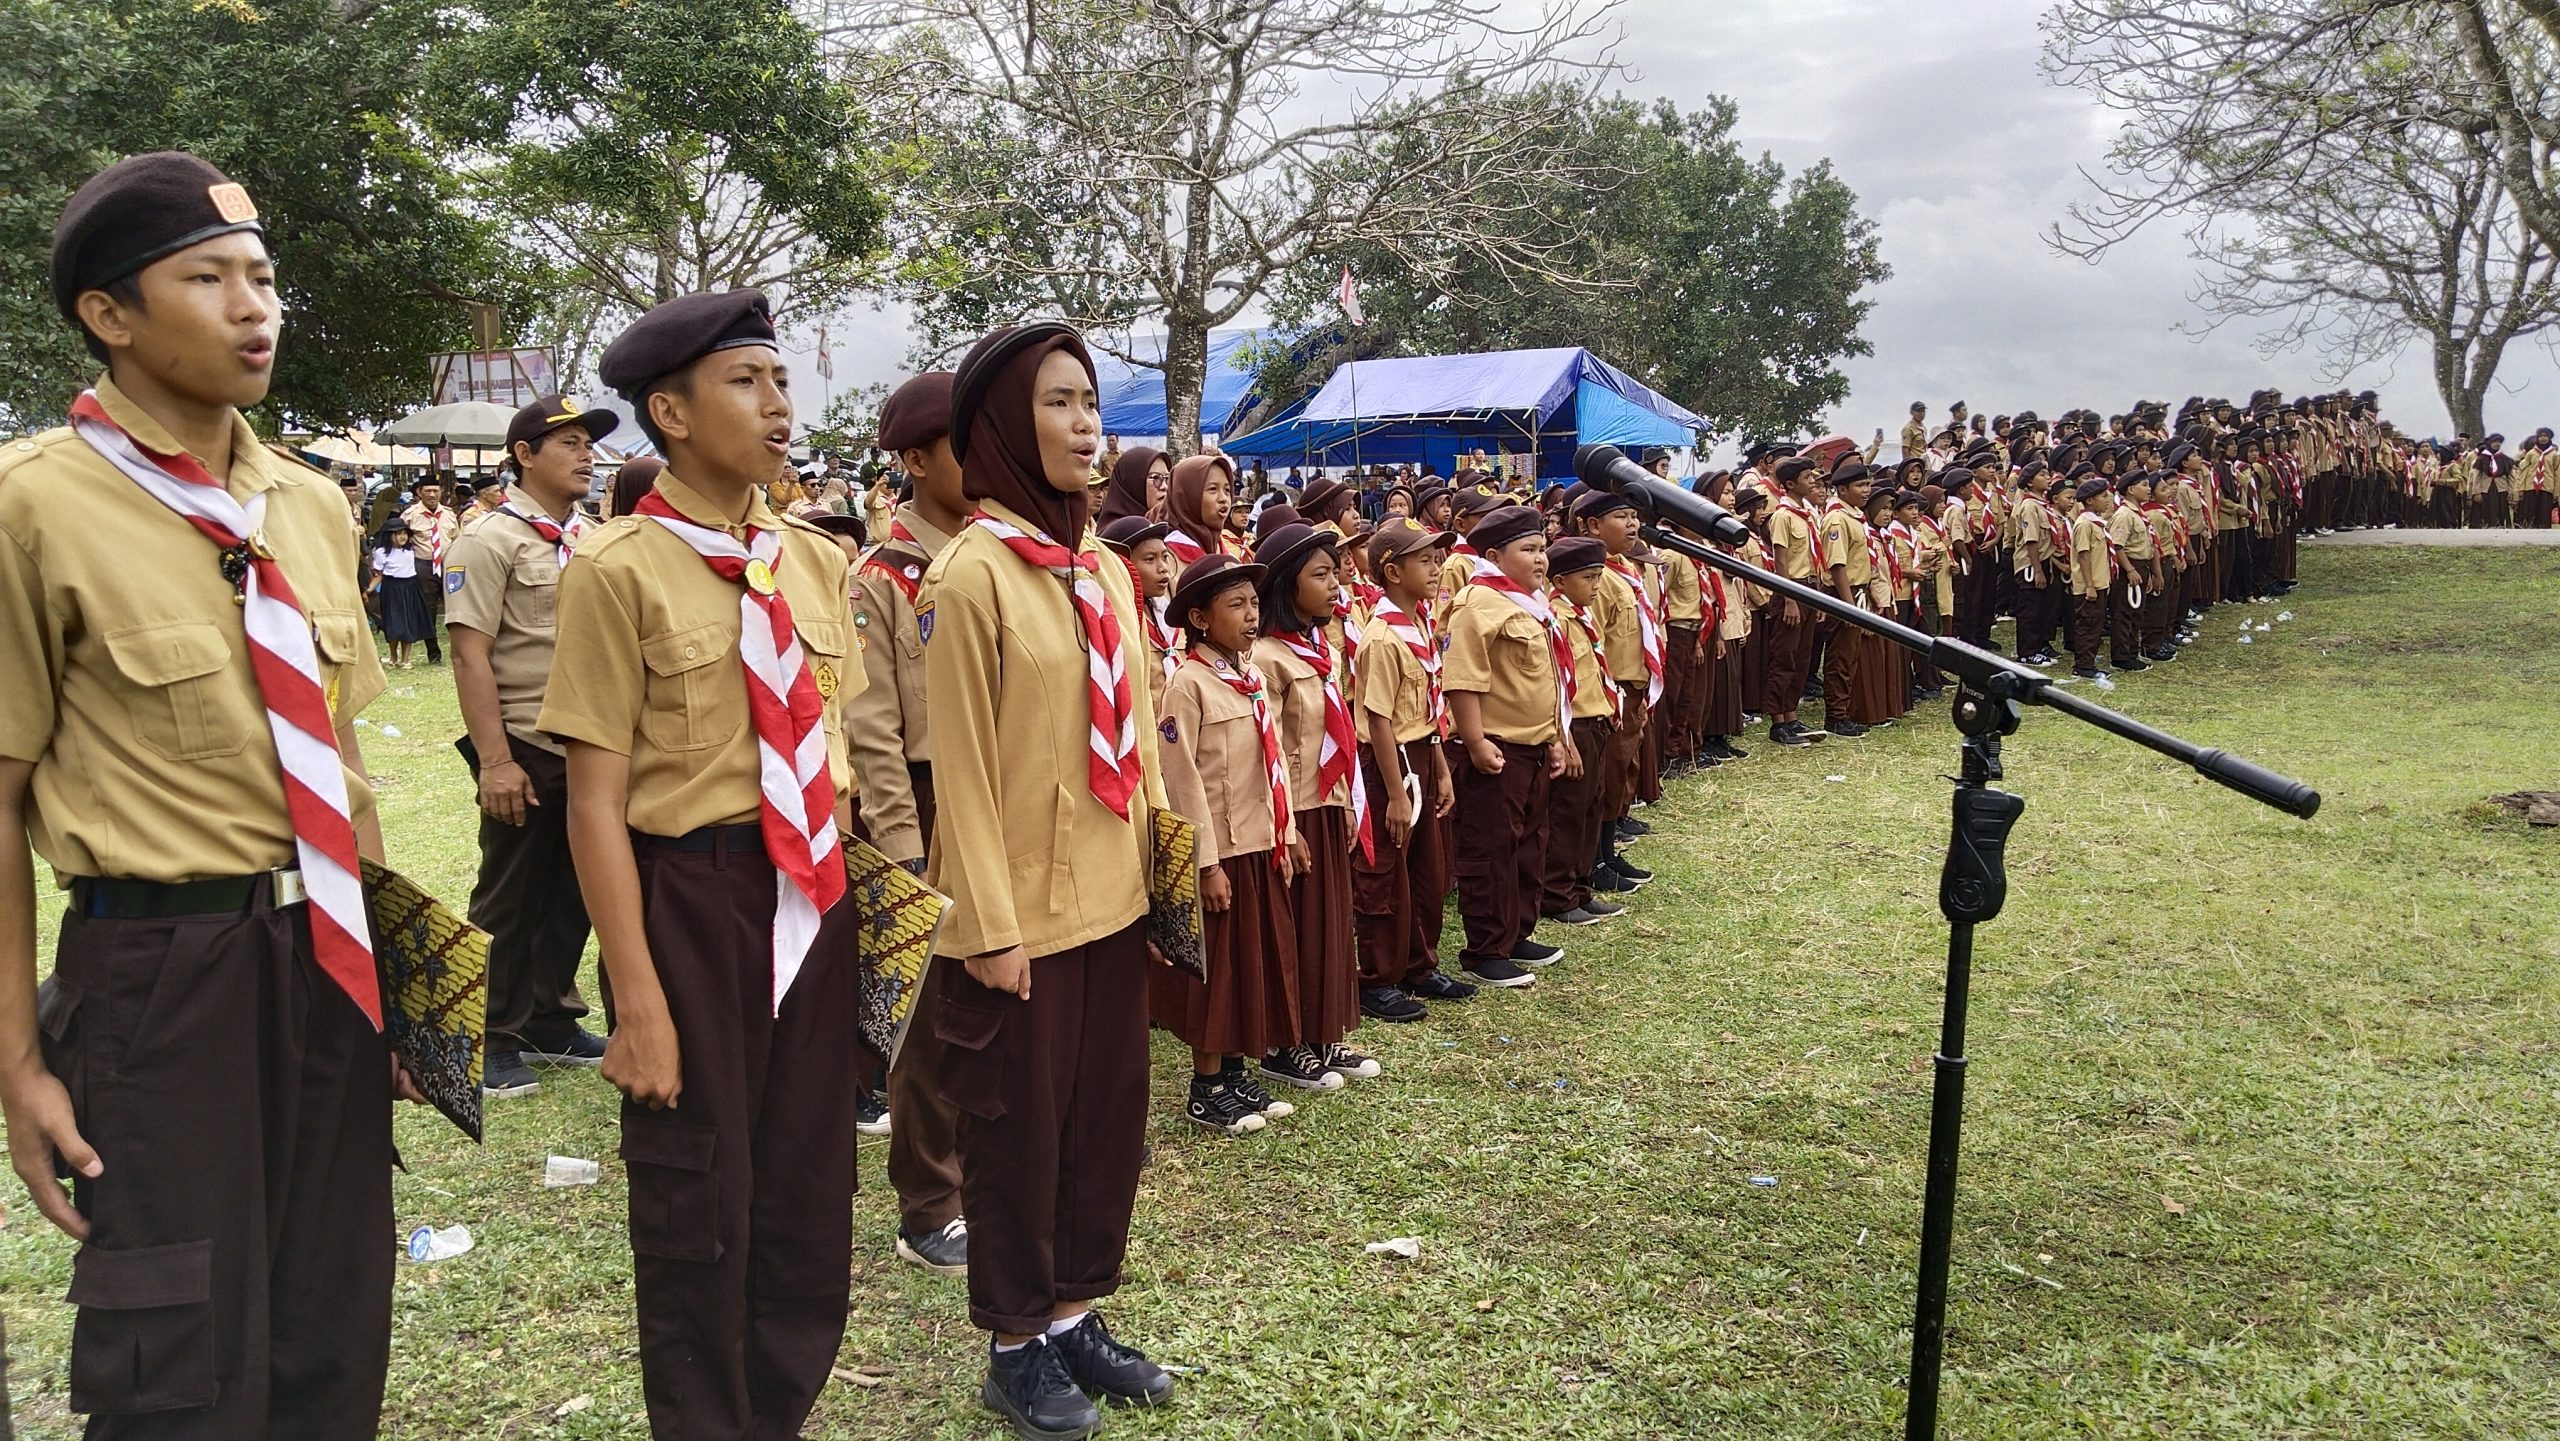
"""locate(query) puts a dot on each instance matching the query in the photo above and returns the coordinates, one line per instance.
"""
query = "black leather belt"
(108, 898)
(717, 840)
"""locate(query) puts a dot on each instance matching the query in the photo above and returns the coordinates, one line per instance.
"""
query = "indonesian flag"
(1349, 296)
(826, 356)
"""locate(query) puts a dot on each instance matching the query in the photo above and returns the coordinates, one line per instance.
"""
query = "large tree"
(307, 104)
(1709, 274)
(1167, 163)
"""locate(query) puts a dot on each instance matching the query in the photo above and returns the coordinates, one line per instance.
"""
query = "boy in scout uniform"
(2137, 577)
(1400, 886)
(1795, 548)
(1915, 432)
(1577, 571)
(212, 1076)
(1844, 554)
(1620, 612)
(702, 641)
(893, 756)
(502, 585)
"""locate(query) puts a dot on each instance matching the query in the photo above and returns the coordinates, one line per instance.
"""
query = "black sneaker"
(1603, 910)
(2162, 655)
(1627, 870)
(1845, 729)
(1350, 1064)
(1499, 972)
(1215, 1104)
(1676, 767)
(1633, 827)
(1301, 1067)
(504, 1073)
(1607, 882)
(1033, 1391)
(1734, 752)
(1438, 987)
(580, 1049)
(1250, 1091)
(1535, 953)
(871, 1114)
(2087, 672)
(1103, 1366)
(2125, 666)
(1886, 724)
(1789, 733)
(1578, 916)
(944, 1252)
(1386, 1003)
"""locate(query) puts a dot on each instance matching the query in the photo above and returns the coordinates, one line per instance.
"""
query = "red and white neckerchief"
(1460, 547)
(1812, 535)
(439, 531)
(1338, 759)
(796, 809)
(1113, 762)
(2106, 540)
(1416, 639)
(908, 579)
(1185, 549)
(562, 537)
(1244, 680)
(1490, 576)
(1648, 629)
(1159, 631)
(1590, 636)
(1903, 533)
(286, 662)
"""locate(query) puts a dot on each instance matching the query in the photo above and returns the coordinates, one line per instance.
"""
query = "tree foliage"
(1712, 276)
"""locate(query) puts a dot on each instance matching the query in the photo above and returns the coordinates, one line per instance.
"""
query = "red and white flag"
(1349, 295)
(826, 356)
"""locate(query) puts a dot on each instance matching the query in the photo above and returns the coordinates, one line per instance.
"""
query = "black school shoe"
(1631, 827)
(1250, 1092)
(2123, 666)
(1789, 733)
(1301, 1067)
(579, 1049)
(1215, 1104)
(1845, 729)
(504, 1073)
(1103, 1366)
(1499, 972)
(1605, 881)
(1627, 870)
(1033, 1391)
(1536, 953)
(1386, 1003)
(1438, 987)
(944, 1252)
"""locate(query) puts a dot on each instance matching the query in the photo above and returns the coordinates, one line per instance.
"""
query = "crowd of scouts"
(676, 715)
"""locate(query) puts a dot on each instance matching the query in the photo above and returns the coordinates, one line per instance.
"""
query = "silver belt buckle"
(288, 887)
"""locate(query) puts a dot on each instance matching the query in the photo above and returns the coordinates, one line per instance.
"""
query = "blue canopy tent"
(1436, 408)
(1133, 395)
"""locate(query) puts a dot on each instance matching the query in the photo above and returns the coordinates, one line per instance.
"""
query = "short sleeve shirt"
(502, 579)
(1500, 651)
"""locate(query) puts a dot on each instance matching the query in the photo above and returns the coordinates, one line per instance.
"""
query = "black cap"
(1131, 531)
(1204, 578)
(1575, 552)
(139, 210)
(1505, 525)
(917, 413)
(1851, 471)
(680, 332)
(552, 412)
(849, 525)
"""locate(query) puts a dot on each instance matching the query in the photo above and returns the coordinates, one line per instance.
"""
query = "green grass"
(2270, 1106)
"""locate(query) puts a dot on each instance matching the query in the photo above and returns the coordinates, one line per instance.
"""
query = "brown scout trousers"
(2124, 623)
(2088, 628)
(527, 899)
(1501, 847)
(236, 1283)
(742, 1194)
(1052, 1096)
(1573, 823)
(924, 1132)
(1790, 654)
(1397, 897)
(1840, 661)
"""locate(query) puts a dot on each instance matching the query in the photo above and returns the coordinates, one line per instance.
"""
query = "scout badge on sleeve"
(435, 973)
(894, 945)
(1173, 894)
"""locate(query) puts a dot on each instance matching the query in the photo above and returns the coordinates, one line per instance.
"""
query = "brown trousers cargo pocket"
(675, 1194)
(143, 1340)
(967, 1017)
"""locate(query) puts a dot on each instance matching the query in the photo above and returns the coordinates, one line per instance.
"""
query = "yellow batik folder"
(1173, 893)
(900, 915)
(435, 992)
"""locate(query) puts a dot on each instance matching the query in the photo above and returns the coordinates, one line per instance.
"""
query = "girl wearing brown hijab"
(1039, 983)
(1196, 502)
(1137, 478)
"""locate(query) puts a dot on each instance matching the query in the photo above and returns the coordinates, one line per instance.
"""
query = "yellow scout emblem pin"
(759, 577)
(826, 674)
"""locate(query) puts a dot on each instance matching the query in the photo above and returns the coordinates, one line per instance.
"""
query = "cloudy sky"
(1939, 118)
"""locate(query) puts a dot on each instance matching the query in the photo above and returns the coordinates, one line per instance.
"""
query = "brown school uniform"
(1052, 1090)
(1793, 555)
(1621, 627)
(2091, 577)
(740, 1209)
(227, 1083)
(1574, 816)
(1500, 652)
(891, 747)
(1398, 892)
(1215, 773)
(1320, 900)
(2130, 541)
(1684, 670)
(1844, 544)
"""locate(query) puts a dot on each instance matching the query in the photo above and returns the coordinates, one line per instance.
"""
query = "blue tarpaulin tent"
(1436, 408)
(1133, 395)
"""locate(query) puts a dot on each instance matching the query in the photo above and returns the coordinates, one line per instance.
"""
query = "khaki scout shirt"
(648, 663)
(2091, 569)
(1297, 701)
(1500, 652)
(1844, 543)
(1621, 626)
(1792, 541)
(1455, 572)
(1915, 440)
(2132, 536)
(2035, 538)
(1593, 696)
(1391, 683)
(1214, 770)
(884, 721)
(502, 579)
(124, 668)
(1027, 854)
(1683, 602)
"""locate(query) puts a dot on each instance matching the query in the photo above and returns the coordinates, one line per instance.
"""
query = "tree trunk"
(1186, 371)
(2462, 387)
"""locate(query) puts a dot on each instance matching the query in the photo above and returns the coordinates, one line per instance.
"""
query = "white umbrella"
(469, 423)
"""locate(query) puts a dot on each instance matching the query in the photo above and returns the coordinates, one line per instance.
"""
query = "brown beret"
(917, 413)
(1596, 503)
(1204, 578)
(1506, 525)
(680, 332)
(139, 210)
(1401, 537)
(1575, 552)
(1474, 502)
(1131, 531)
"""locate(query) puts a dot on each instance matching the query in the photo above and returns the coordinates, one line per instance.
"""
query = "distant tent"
(1436, 408)
(1133, 401)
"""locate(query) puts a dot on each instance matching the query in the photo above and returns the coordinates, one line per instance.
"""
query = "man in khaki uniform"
(1915, 432)
(213, 1076)
(433, 528)
(502, 585)
(1795, 553)
(892, 752)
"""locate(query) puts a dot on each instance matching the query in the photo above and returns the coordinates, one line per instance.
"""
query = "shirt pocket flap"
(164, 654)
(144, 1279)
(822, 636)
(684, 650)
(339, 634)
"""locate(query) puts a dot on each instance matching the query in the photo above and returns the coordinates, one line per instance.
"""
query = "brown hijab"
(1002, 462)
(1127, 493)
(1182, 499)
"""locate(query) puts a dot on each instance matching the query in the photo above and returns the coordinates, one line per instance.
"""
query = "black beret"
(139, 210)
(1791, 467)
(1850, 472)
(917, 413)
(552, 412)
(1204, 578)
(2089, 490)
(2082, 471)
(1592, 505)
(1954, 478)
(978, 370)
(2177, 455)
(1575, 552)
(680, 332)
(1505, 525)
(844, 525)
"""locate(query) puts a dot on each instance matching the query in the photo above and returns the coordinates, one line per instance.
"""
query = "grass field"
(2260, 1143)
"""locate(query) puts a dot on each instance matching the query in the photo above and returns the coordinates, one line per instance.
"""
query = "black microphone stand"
(1973, 885)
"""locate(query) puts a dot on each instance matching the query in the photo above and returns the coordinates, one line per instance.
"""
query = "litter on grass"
(1408, 1247)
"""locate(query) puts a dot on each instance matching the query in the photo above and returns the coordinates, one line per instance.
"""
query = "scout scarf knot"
(1338, 760)
(1648, 629)
(1427, 653)
(1246, 681)
(798, 808)
(561, 537)
(1113, 763)
(286, 662)
(1490, 576)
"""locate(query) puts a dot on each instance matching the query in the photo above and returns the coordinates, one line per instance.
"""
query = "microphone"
(1605, 467)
